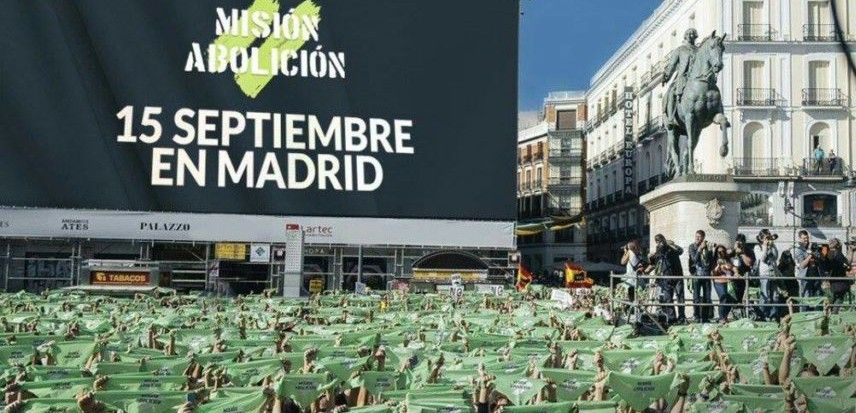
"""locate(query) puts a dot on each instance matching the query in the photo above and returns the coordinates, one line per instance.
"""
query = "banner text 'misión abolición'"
(324, 108)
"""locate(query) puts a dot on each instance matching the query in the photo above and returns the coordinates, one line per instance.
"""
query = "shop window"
(820, 210)
(755, 209)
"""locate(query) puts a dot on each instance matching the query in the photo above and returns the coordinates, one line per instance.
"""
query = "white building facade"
(551, 183)
(787, 91)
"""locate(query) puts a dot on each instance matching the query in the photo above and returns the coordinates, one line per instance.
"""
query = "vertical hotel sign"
(629, 142)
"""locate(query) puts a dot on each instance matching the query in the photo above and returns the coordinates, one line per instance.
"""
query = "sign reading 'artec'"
(119, 278)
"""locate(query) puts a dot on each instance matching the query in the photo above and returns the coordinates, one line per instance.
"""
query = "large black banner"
(379, 108)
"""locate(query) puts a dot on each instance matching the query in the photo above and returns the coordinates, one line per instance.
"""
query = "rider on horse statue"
(678, 65)
(692, 101)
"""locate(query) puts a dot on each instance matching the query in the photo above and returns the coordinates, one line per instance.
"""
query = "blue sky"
(563, 42)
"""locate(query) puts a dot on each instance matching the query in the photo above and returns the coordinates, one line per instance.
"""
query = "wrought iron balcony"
(653, 182)
(651, 127)
(826, 166)
(642, 188)
(756, 97)
(820, 33)
(822, 97)
(756, 166)
(754, 33)
(564, 181)
(560, 154)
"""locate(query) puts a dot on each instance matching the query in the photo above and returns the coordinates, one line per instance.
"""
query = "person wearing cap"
(767, 260)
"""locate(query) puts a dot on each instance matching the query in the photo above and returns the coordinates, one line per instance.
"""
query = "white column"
(785, 24)
(725, 22)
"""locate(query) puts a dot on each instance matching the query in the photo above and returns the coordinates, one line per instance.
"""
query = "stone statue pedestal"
(679, 208)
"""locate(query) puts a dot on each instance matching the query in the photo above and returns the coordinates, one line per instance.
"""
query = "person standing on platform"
(701, 263)
(723, 275)
(632, 260)
(806, 266)
(667, 263)
(768, 258)
(743, 261)
(838, 268)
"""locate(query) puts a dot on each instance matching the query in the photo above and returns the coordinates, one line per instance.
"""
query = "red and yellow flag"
(524, 277)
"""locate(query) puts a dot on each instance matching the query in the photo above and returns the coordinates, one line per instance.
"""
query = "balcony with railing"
(538, 156)
(756, 97)
(537, 185)
(650, 128)
(823, 97)
(561, 154)
(651, 77)
(653, 182)
(642, 187)
(613, 108)
(826, 166)
(754, 33)
(617, 150)
(756, 167)
(564, 183)
(820, 33)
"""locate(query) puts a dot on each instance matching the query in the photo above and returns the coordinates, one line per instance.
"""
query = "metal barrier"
(746, 303)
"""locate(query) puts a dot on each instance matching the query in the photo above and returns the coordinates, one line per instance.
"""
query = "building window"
(818, 74)
(820, 138)
(753, 74)
(820, 210)
(565, 235)
(566, 119)
(755, 209)
(753, 141)
(818, 27)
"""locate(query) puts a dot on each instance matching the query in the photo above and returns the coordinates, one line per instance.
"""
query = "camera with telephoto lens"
(814, 251)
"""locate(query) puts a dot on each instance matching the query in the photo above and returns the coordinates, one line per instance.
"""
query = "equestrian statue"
(693, 100)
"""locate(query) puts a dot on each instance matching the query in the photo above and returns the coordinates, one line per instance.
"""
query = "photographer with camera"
(701, 263)
(767, 259)
(743, 261)
(806, 255)
(836, 265)
(667, 262)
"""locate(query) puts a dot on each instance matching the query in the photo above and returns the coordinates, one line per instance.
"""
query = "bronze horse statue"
(699, 106)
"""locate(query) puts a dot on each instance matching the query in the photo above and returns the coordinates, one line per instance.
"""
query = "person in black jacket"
(666, 260)
(836, 265)
(701, 264)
